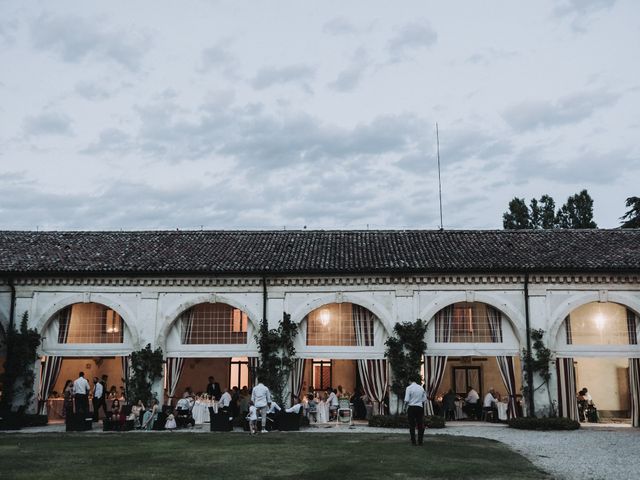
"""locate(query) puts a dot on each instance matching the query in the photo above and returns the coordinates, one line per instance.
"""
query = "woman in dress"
(67, 404)
(150, 416)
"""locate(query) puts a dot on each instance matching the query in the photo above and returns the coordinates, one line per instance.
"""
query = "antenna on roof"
(439, 180)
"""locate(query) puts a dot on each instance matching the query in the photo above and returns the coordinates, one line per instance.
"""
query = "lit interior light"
(600, 320)
(325, 317)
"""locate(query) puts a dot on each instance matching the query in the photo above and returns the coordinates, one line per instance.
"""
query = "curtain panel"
(297, 377)
(64, 319)
(567, 330)
(187, 325)
(634, 384)
(494, 318)
(174, 370)
(375, 380)
(632, 327)
(125, 361)
(49, 371)
(567, 399)
(507, 372)
(444, 318)
(363, 323)
(434, 367)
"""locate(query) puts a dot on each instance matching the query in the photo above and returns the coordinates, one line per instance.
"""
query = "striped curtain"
(634, 384)
(434, 367)
(444, 319)
(297, 376)
(567, 393)
(49, 370)
(494, 318)
(632, 327)
(126, 368)
(187, 325)
(254, 363)
(567, 329)
(375, 380)
(363, 322)
(64, 319)
(174, 370)
(507, 372)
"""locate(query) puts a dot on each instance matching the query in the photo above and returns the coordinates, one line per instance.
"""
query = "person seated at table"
(449, 405)
(583, 404)
(117, 418)
(472, 406)
(225, 401)
(137, 412)
(332, 400)
(115, 407)
(186, 402)
(359, 408)
(489, 405)
(113, 392)
(296, 406)
(312, 408)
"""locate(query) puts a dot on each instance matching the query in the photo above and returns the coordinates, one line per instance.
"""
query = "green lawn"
(300, 455)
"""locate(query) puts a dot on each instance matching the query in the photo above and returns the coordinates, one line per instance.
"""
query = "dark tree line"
(575, 213)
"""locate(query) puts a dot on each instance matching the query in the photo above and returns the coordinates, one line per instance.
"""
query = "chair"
(488, 415)
(344, 413)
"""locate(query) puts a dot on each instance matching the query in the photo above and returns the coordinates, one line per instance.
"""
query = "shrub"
(33, 420)
(545, 423)
(401, 421)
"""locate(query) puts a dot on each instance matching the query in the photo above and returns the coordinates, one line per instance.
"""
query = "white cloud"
(410, 38)
(300, 75)
(47, 123)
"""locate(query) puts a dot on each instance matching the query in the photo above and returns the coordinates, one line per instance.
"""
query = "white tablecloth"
(459, 412)
(200, 411)
(323, 412)
(502, 410)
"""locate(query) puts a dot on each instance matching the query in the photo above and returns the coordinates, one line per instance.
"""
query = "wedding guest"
(213, 389)
(359, 408)
(67, 404)
(150, 416)
(261, 398)
(333, 402)
(81, 394)
(98, 399)
(137, 411)
(225, 400)
(414, 398)
(170, 424)
(245, 397)
(113, 392)
(312, 406)
(253, 418)
(449, 405)
(489, 405)
(115, 408)
(235, 402)
(472, 405)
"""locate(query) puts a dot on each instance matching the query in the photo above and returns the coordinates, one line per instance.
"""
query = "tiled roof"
(318, 252)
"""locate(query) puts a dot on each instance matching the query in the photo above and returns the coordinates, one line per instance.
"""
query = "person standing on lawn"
(261, 398)
(414, 399)
(81, 390)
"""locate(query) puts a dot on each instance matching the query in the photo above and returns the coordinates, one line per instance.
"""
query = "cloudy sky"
(234, 114)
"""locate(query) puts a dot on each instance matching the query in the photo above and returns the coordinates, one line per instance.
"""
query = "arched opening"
(340, 347)
(209, 340)
(473, 351)
(83, 337)
(597, 346)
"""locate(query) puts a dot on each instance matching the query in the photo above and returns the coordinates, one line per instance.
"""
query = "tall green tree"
(517, 217)
(577, 213)
(631, 219)
(543, 213)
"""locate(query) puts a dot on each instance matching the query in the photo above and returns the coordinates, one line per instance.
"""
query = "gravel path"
(596, 452)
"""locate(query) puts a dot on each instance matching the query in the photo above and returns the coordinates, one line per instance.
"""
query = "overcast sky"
(232, 114)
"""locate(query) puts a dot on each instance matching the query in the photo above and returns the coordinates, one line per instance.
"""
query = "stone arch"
(125, 312)
(513, 315)
(169, 319)
(344, 297)
(575, 301)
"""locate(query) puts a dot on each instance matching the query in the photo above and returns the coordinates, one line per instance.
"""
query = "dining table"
(322, 410)
(200, 411)
(502, 407)
(459, 412)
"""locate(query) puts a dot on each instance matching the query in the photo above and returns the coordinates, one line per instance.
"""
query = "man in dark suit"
(213, 389)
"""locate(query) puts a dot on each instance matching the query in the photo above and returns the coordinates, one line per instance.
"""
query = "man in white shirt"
(472, 402)
(332, 401)
(489, 404)
(225, 400)
(414, 399)
(98, 398)
(81, 390)
(261, 398)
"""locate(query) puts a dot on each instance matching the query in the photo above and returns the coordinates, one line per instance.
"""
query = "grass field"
(304, 456)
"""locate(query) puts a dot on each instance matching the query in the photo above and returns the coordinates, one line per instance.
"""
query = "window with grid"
(89, 323)
(214, 323)
(600, 324)
(334, 325)
(469, 323)
(321, 373)
(239, 372)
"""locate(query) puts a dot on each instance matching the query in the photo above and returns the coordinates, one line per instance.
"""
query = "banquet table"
(502, 410)
(200, 411)
(322, 412)
(459, 412)
(54, 408)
